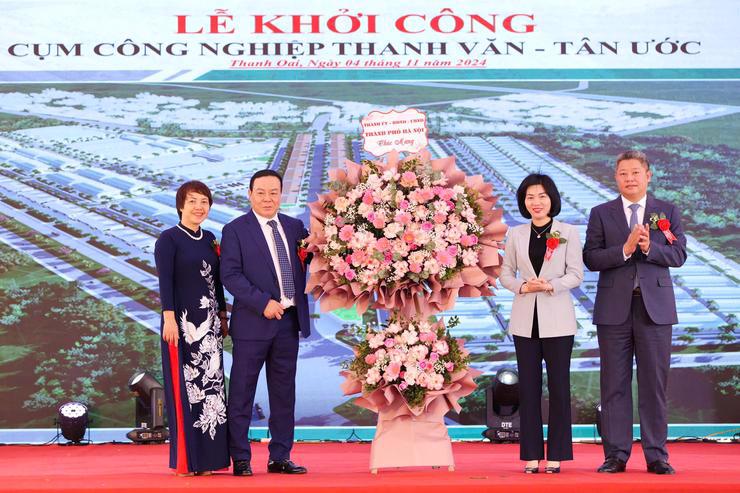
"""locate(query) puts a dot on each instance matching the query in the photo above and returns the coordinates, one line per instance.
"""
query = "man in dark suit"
(261, 268)
(635, 308)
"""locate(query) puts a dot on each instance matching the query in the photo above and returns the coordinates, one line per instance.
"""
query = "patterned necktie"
(285, 272)
(633, 223)
(633, 216)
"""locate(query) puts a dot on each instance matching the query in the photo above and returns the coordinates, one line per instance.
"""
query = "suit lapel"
(618, 217)
(255, 231)
(523, 247)
(547, 264)
(290, 242)
(650, 208)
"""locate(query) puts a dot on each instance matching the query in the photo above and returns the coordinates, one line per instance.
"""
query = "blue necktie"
(633, 223)
(633, 216)
(285, 273)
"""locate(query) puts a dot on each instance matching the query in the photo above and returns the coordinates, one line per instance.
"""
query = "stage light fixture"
(72, 420)
(502, 407)
(149, 402)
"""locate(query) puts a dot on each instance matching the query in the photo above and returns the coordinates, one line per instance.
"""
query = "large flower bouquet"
(403, 230)
(413, 355)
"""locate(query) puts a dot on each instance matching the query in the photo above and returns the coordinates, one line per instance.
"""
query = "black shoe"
(660, 467)
(612, 465)
(552, 469)
(531, 470)
(285, 466)
(242, 468)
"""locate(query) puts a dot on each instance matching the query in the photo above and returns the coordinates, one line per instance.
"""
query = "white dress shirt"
(640, 211)
(267, 231)
(628, 213)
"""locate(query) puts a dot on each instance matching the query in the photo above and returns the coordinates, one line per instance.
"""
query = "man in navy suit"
(635, 310)
(261, 268)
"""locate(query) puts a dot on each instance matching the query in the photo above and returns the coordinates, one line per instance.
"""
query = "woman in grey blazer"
(542, 263)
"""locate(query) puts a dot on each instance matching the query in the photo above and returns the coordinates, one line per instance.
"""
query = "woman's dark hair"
(191, 186)
(550, 189)
(265, 172)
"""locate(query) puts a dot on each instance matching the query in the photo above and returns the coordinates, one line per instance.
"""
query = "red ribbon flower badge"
(216, 248)
(303, 253)
(553, 241)
(659, 221)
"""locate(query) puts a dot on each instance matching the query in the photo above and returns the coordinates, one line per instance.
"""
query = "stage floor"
(343, 467)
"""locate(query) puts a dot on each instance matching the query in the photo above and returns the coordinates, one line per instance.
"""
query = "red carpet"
(481, 467)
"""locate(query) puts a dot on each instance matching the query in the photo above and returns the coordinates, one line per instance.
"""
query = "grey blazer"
(555, 312)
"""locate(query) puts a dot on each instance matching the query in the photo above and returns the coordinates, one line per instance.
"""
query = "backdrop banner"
(105, 111)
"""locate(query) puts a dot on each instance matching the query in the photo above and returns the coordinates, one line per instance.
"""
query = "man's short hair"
(632, 154)
(265, 172)
(193, 186)
(550, 189)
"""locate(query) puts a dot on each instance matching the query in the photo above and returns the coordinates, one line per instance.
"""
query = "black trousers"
(650, 344)
(556, 352)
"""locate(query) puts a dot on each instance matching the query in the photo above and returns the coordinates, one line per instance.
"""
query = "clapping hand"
(633, 240)
(644, 241)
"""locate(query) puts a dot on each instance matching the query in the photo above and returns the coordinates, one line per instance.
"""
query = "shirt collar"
(626, 203)
(263, 220)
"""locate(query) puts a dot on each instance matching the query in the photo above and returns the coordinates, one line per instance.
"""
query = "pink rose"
(427, 194)
(391, 372)
(383, 244)
(444, 258)
(427, 226)
(414, 267)
(408, 180)
(447, 194)
(389, 343)
(440, 218)
(339, 221)
(370, 359)
(468, 240)
(449, 366)
(403, 218)
(350, 274)
(367, 197)
(346, 233)
(433, 357)
(404, 204)
(359, 257)
(403, 385)
(452, 250)
(423, 364)
(379, 222)
(408, 237)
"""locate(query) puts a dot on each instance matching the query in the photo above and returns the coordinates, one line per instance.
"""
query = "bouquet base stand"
(411, 441)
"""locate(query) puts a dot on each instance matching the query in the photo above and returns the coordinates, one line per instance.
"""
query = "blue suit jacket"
(248, 272)
(607, 231)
